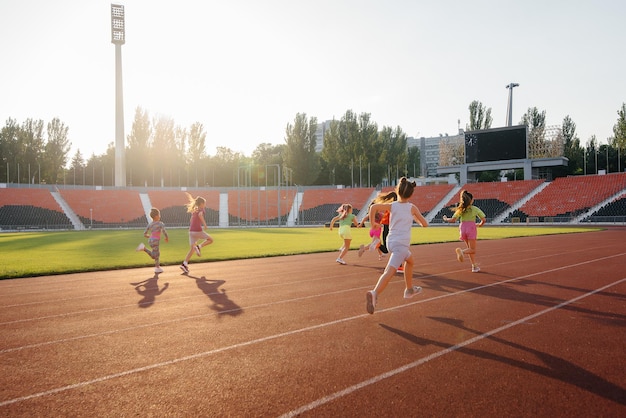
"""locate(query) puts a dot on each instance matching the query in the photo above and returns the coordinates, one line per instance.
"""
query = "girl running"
(467, 213)
(402, 214)
(197, 224)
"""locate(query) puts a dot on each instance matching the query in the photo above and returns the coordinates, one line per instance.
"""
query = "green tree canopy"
(480, 117)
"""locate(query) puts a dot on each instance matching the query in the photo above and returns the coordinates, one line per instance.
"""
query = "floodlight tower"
(118, 37)
(509, 108)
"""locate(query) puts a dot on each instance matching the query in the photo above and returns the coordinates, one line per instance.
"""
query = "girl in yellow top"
(467, 213)
(346, 219)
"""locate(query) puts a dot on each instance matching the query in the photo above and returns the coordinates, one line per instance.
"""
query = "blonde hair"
(194, 203)
(343, 210)
(386, 198)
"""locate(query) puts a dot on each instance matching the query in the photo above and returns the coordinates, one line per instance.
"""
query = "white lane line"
(349, 390)
(110, 332)
(314, 327)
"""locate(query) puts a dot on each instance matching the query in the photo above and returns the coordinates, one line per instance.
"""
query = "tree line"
(356, 152)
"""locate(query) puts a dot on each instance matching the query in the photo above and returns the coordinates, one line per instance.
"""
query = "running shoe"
(340, 261)
(184, 268)
(197, 249)
(361, 250)
(370, 298)
(140, 247)
(400, 269)
(158, 270)
(409, 293)
(475, 269)
(459, 255)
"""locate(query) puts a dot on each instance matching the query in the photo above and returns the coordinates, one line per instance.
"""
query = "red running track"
(540, 332)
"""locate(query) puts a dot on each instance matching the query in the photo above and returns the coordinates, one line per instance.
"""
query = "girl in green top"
(346, 219)
(467, 213)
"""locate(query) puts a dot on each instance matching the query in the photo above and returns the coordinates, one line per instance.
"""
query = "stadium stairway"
(74, 219)
(292, 219)
(147, 205)
(362, 214)
(500, 218)
(431, 215)
(223, 208)
(597, 207)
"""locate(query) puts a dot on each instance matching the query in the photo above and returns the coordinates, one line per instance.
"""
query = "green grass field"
(48, 253)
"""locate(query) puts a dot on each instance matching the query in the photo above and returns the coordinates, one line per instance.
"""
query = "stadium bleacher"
(319, 206)
(105, 208)
(259, 207)
(172, 203)
(26, 208)
(493, 198)
(561, 200)
(568, 197)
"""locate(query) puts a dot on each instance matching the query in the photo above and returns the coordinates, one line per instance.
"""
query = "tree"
(300, 155)
(164, 151)
(9, 149)
(619, 129)
(266, 153)
(31, 148)
(225, 165)
(138, 155)
(56, 150)
(196, 152)
(368, 151)
(572, 150)
(197, 143)
(480, 117)
(394, 153)
(413, 157)
(619, 138)
(77, 168)
(591, 156)
(330, 152)
(536, 123)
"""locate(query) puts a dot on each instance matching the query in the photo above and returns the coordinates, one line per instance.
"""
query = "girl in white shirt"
(401, 219)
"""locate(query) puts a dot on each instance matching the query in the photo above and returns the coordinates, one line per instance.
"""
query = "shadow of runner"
(554, 367)
(149, 290)
(221, 302)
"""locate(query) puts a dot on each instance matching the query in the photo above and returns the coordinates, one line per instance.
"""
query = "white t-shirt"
(400, 223)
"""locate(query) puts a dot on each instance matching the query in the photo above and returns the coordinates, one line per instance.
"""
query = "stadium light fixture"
(118, 37)
(509, 109)
(118, 30)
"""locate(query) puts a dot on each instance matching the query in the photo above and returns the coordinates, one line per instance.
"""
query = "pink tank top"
(195, 225)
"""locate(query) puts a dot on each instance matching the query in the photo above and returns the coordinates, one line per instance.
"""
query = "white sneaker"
(409, 293)
(197, 250)
(184, 268)
(158, 270)
(370, 299)
(340, 261)
(140, 247)
(475, 269)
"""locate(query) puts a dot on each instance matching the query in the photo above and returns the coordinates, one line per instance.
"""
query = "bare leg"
(471, 250)
(206, 242)
(189, 254)
(346, 248)
(408, 272)
(383, 280)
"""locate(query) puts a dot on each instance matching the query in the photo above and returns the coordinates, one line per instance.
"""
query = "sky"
(245, 68)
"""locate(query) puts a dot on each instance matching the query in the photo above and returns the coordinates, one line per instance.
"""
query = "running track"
(540, 332)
